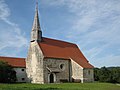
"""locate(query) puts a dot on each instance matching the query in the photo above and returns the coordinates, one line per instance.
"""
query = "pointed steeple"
(36, 34)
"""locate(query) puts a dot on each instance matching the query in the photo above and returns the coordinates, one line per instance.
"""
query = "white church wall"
(28, 64)
(34, 64)
(21, 74)
(77, 72)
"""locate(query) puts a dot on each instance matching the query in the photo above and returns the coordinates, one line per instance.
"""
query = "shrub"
(7, 73)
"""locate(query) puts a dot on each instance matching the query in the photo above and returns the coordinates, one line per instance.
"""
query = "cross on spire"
(37, 5)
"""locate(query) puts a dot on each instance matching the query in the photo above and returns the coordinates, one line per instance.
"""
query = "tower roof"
(36, 23)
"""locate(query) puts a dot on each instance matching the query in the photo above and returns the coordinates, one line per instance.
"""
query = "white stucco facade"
(77, 72)
(21, 74)
(34, 64)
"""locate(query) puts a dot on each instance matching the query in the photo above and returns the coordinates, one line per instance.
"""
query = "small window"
(89, 72)
(22, 70)
(23, 79)
(62, 66)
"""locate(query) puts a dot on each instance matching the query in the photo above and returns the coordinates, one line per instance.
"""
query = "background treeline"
(107, 74)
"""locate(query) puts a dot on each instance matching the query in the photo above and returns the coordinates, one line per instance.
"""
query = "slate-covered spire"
(36, 34)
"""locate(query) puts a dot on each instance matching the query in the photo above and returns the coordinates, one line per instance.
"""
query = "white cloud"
(91, 53)
(95, 27)
(5, 13)
(53, 2)
(4, 10)
(11, 36)
(108, 60)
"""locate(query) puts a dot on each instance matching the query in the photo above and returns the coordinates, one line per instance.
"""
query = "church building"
(50, 60)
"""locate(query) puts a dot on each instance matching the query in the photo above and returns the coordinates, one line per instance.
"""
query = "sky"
(94, 25)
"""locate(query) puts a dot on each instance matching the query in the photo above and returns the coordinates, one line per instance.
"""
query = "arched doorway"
(51, 77)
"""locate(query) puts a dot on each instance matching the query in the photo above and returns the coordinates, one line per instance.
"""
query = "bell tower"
(36, 34)
(34, 60)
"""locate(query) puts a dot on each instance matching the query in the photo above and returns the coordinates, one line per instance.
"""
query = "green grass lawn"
(64, 86)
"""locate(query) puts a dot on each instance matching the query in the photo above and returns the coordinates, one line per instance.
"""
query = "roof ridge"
(59, 40)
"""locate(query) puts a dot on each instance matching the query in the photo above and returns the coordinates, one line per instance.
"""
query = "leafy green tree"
(96, 74)
(7, 73)
(107, 74)
(115, 74)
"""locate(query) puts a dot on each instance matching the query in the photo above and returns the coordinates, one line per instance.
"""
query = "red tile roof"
(59, 49)
(15, 62)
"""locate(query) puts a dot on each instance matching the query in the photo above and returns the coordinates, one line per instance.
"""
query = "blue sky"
(94, 25)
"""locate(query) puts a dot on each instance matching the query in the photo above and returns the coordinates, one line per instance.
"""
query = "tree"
(96, 74)
(115, 74)
(7, 73)
(107, 74)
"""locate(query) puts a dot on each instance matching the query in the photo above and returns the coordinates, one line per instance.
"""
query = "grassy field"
(65, 86)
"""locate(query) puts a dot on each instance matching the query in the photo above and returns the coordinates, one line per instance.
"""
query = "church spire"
(36, 34)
